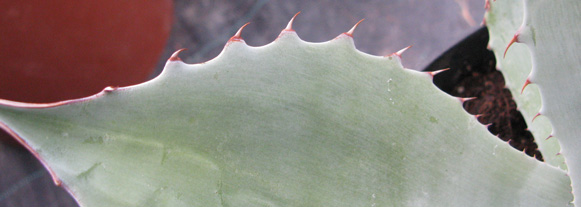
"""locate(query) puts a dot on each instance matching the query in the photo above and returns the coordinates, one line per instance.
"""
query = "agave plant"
(295, 123)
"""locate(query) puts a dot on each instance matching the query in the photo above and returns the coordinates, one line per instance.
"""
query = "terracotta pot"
(63, 49)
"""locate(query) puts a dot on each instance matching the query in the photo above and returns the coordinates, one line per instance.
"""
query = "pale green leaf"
(291, 123)
(550, 29)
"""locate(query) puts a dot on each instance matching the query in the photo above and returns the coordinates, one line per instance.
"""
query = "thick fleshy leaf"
(287, 124)
(550, 30)
(503, 18)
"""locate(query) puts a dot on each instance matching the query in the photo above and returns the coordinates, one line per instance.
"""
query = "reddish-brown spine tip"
(512, 41)
(350, 32)
(400, 52)
(237, 37)
(538, 114)
(487, 5)
(175, 55)
(289, 26)
(549, 137)
(57, 182)
(433, 73)
(109, 89)
(527, 82)
(462, 99)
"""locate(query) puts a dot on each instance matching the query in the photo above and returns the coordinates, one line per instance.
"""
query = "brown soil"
(496, 107)
(473, 74)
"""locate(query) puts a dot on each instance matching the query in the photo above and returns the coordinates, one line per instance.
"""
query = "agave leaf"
(503, 18)
(291, 123)
(550, 30)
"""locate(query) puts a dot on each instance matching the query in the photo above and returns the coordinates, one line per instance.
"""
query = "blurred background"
(63, 49)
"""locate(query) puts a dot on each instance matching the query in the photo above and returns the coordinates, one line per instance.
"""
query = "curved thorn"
(462, 99)
(487, 5)
(549, 137)
(237, 36)
(109, 89)
(350, 32)
(175, 55)
(527, 82)
(465, 12)
(538, 114)
(289, 26)
(398, 53)
(436, 72)
(512, 41)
